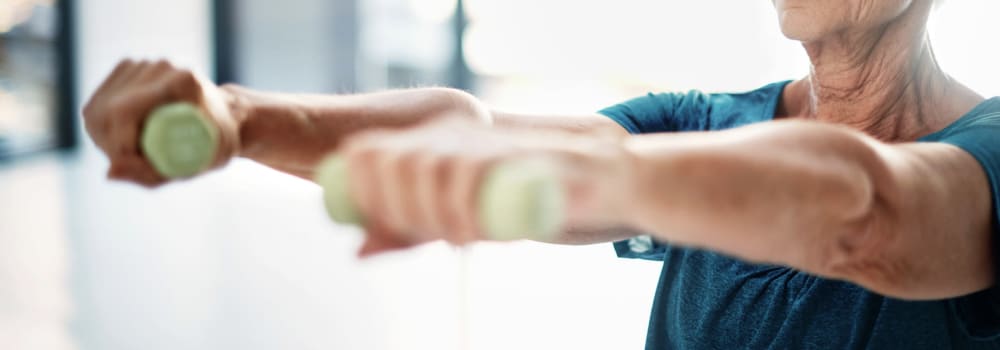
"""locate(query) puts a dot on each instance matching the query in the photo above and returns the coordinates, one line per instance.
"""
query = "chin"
(797, 26)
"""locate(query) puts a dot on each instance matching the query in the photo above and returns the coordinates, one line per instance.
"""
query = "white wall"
(245, 258)
(136, 286)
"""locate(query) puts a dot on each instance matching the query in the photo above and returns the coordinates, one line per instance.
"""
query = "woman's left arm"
(906, 220)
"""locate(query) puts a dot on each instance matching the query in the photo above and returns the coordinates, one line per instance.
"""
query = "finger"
(123, 128)
(393, 195)
(363, 188)
(413, 194)
(117, 171)
(128, 113)
(153, 70)
(119, 73)
(432, 208)
(379, 239)
(462, 196)
(435, 204)
(184, 85)
(136, 170)
(143, 98)
(129, 75)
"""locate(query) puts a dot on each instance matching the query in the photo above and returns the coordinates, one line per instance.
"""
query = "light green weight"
(332, 176)
(518, 200)
(178, 140)
(521, 199)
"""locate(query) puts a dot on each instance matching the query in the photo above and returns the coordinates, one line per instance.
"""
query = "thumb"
(380, 240)
(134, 169)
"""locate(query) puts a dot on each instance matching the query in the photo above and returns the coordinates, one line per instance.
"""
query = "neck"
(884, 81)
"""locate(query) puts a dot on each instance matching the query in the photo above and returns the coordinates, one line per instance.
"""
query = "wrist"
(216, 105)
(622, 184)
(629, 184)
(244, 112)
(236, 102)
(601, 187)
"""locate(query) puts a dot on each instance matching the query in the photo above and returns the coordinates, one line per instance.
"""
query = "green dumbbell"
(518, 199)
(178, 140)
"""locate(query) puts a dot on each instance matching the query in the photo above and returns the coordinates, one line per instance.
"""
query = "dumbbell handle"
(518, 199)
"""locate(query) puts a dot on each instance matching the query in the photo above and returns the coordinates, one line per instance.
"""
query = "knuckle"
(162, 63)
(184, 83)
(433, 166)
(184, 78)
(365, 137)
(362, 145)
(360, 157)
(117, 105)
(126, 63)
(409, 163)
(442, 173)
(387, 163)
(89, 110)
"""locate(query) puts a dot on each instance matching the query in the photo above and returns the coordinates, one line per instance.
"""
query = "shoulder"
(977, 132)
(695, 110)
(983, 117)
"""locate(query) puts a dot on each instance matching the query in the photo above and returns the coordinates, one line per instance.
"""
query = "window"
(36, 109)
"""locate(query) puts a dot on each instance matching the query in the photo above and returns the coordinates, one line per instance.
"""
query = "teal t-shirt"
(709, 301)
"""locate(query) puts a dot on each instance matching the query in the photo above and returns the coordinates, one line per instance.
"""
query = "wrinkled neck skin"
(884, 81)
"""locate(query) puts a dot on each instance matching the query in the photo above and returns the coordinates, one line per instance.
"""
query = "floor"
(245, 258)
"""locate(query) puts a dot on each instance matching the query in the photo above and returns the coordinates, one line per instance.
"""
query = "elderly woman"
(852, 208)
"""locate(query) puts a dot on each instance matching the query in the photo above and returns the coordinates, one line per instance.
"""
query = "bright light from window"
(964, 35)
(628, 46)
(432, 11)
(712, 45)
(14, 12)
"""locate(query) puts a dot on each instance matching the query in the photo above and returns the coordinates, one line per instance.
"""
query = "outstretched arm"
(907, 220)
(293, 132)
(289, 132)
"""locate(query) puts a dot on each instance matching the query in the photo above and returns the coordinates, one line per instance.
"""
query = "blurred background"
(245, 258)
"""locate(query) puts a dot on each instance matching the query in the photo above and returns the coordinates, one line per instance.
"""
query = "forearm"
(784, 193)
(293, 132)
(592, 235)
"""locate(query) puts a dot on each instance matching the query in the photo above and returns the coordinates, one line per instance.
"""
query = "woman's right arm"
(294, 132)
(288, 132)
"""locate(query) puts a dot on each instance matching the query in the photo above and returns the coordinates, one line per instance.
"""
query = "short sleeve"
(688, 111)
(979, 313)
(661, 112)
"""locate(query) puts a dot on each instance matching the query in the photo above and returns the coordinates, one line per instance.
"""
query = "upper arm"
(931, 216)
(907, 220)
(594, 124)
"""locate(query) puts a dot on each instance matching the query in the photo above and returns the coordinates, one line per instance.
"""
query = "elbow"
(456, 103)
(886, 257)
(866, 244)
(857, 185)
(867, 252)
(870, 248)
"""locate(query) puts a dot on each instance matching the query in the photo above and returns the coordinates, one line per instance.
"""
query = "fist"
(116, 113)
(422, 184)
